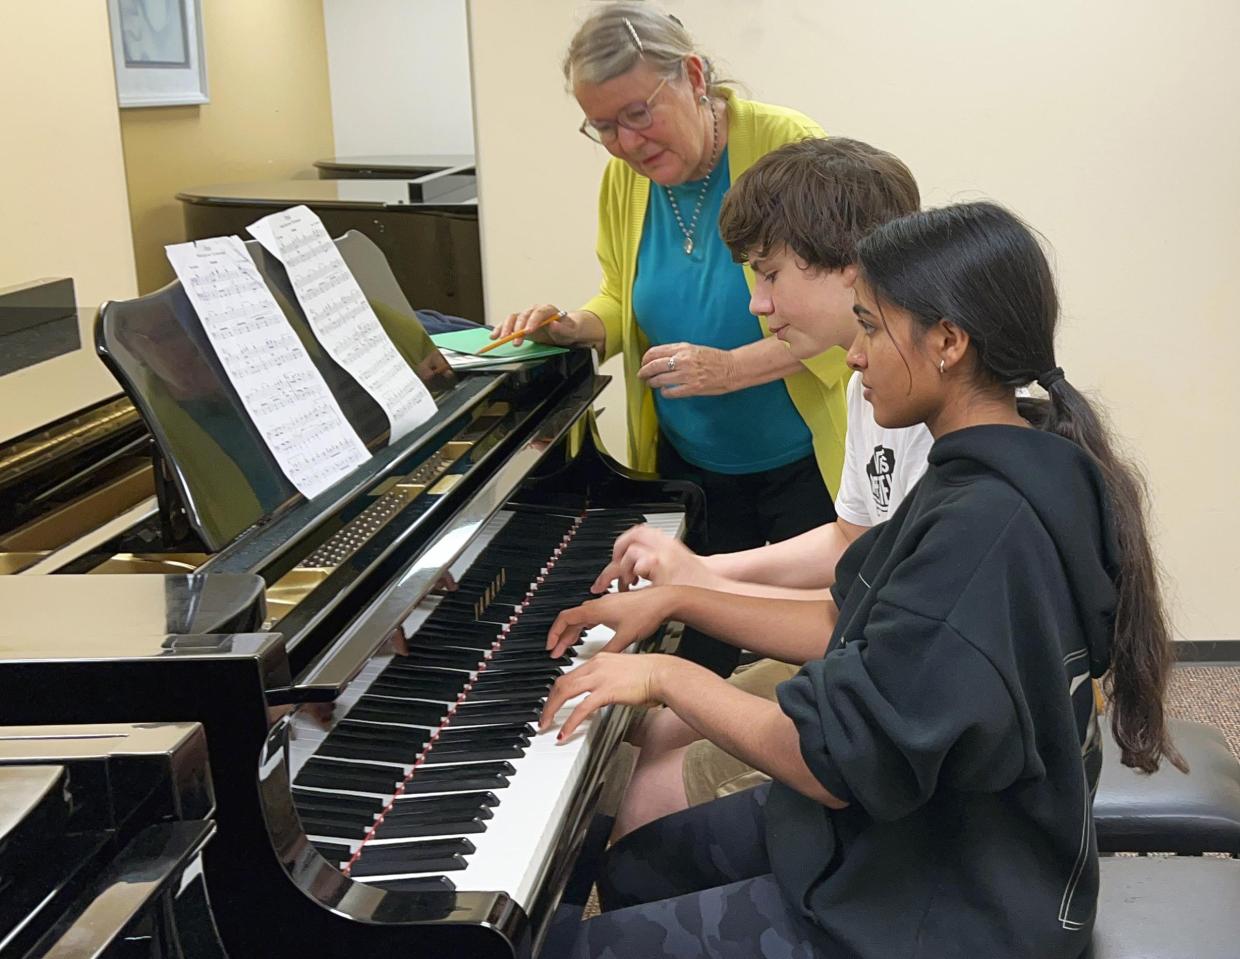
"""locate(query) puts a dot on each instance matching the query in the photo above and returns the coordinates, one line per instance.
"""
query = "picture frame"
(157, 48)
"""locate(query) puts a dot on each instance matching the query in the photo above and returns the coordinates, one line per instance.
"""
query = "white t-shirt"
(880, 465)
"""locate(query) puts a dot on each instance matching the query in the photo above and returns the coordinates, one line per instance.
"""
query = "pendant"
(688, 246)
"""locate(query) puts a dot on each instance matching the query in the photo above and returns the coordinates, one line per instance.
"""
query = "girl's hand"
(633, 616)
(644, 552)
(608, 678)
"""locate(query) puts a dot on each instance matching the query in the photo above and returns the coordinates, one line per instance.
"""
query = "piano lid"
(25, 791)
(35, 396)
(93, 611)
(394, 166)
(225, 475)
(353, 194)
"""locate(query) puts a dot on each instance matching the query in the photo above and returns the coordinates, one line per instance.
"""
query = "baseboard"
(1201, 651)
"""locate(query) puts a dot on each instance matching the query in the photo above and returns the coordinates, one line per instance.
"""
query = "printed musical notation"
(282, 390)
(341, 318)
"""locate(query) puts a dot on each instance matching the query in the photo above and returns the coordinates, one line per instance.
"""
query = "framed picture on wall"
(158, 51)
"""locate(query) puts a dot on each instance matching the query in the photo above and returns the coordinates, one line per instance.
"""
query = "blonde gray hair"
(617, 34)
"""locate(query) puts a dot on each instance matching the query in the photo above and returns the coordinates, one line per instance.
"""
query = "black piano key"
(508, 683)
(396, 667)
(497, 694)
(442, 656)
(361, 806)
(518, 733)
(394, 686)
(448, 650)
(471, 776)
(483, 721)
(439, 682)
(405, 805)
(354, 733)
(539, 669)
(439, 809)
(413, 711)
(318, 824)
(376, 752)
(426, 855)
(366, 731)
(473, 752)
(479, 641)
(357, 777)
(540, 657)
(447, 827)
(416, 884)
(359, 731)
(495, 712)
(335, 853)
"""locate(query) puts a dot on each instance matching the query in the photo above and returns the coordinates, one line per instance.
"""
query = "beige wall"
(62, 186)
(399, 75)
(269, 118)
(1110, 125)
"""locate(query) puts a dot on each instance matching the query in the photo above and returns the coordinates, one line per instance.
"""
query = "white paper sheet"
(341, 318)
(281, 388)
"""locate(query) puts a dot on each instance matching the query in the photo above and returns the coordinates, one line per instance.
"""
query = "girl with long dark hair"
(933, 772)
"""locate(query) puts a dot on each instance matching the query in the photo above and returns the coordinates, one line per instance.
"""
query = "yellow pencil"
(558, 315)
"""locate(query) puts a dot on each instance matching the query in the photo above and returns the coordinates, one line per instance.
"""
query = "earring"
(704, 100)
(942, 364)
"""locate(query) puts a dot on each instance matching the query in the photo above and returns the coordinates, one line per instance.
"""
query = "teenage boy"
(795, 217)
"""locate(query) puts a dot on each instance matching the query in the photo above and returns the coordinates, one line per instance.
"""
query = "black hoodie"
(953, 712)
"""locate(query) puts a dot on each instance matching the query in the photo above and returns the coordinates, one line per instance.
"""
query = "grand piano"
(368, 664)
(102, 831)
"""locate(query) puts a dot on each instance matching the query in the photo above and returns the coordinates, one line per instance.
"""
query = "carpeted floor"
(1208, 694)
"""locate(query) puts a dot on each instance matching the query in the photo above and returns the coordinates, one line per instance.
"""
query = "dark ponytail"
(981, 267)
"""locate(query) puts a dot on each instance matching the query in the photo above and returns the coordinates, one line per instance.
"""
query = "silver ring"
(671, 364)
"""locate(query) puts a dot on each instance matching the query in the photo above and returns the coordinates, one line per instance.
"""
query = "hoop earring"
(942, 363)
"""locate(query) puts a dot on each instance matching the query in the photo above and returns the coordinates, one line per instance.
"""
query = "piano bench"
(1169, 811)
(1174, 908)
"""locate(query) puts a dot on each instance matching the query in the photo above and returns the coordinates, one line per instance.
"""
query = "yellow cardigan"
(754, 129)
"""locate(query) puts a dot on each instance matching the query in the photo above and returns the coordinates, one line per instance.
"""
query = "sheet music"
(281, 388)
(341, 318)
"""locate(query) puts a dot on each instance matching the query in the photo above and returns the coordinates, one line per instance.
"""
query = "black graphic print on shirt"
(880, 468)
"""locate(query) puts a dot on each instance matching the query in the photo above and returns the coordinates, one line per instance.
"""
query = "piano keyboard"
(430, 774)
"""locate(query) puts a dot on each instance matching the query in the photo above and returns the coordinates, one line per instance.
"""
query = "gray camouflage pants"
(697, 883)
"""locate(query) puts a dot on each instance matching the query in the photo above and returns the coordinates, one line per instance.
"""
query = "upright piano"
(102, 831)
(368, 664)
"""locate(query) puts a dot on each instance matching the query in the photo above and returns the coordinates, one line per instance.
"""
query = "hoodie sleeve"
(911, 708)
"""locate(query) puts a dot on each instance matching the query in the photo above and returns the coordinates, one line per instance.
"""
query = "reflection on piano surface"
(379, 781)
(102, 830)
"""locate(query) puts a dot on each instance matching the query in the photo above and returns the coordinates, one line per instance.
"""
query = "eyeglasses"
(636, 116)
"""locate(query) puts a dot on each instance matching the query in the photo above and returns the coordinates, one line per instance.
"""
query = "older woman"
(712, 396)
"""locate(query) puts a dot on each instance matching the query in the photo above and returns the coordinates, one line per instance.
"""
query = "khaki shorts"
(708, 771)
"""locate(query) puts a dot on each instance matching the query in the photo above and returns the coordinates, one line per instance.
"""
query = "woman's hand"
(608, 678)
(633, 616)
(682, 369)
(573, 329)
(644, 552)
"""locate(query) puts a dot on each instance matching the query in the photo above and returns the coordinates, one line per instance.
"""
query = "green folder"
(471, 341)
